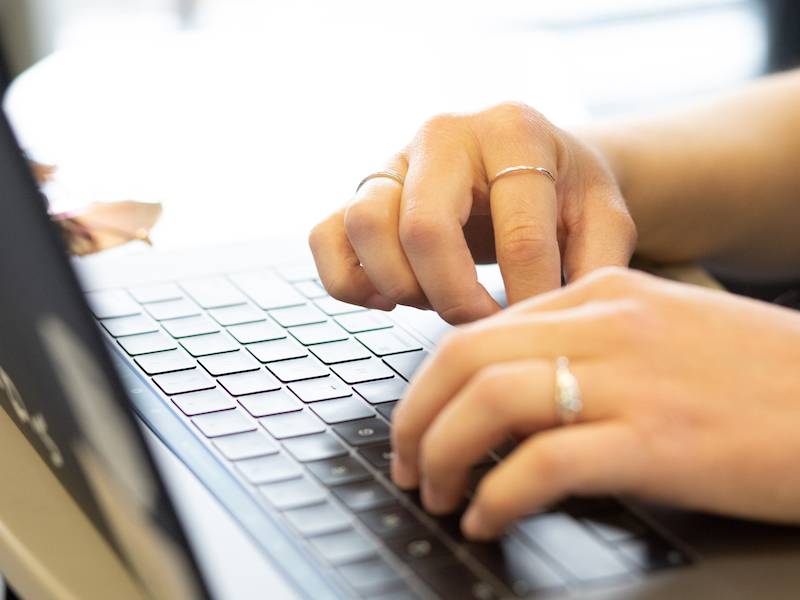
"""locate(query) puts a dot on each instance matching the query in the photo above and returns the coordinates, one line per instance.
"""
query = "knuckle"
(360, 222)
(490, 385)
(315, 237)
(612, 278)
(551, 464)
(439, 123)
(418, 232)
(524, 245)
(454, 346)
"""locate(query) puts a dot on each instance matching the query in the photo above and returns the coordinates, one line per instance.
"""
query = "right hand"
(417, 244)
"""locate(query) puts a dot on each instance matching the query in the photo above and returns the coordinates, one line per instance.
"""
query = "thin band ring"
(386, 174)
(522, 169)
(569, 402)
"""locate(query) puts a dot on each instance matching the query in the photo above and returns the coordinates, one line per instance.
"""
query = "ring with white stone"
(569, 403)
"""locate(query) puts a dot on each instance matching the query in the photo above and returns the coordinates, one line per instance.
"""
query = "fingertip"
(379, 302)
(475, 526)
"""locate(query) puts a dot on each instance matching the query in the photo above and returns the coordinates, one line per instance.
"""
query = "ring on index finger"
(385, 174)
(522, 169)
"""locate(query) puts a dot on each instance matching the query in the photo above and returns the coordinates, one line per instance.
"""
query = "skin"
(690, 396)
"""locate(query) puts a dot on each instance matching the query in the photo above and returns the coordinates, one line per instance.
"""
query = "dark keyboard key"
(385, 390)
(298, 315)
(476, 474)
(386, 410)
(336, 471)
(213, 343)
(267, 469)
(454, 580)
(293, 493)
(310, 289)
(172, 309)
(406, 364)
(256, 332)
(158, 292)
(323, 388)
(181, 382)
(223, 423)
(146, 343)
(361, 433)
(189, 326)
(364, 321)
(571, 545)
(252, 382)
(292, 424)
(245, 445)
(297, 369)
(390, 521)
(270, 403)
(237, 315)
(295, 273)
(370, 576)
(134, 325)
(266, 290)
(337, 352)
(418, 548)
(341, 410)
(388, 341)
(110, 304)
(314, 447)
(277, 350)
(318, 519)
(230, 362)
(653, 554)
(360, 371)
(379, 456)
(319, 333)
(212, 292)
(206, 401)
(615, 527)
(164, 362)
(343, 546)
(363, 495)
(333, 307)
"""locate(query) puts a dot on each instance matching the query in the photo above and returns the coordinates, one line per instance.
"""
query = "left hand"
(691, 397)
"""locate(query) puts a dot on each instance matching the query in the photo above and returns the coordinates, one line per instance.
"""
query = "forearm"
(720, 182)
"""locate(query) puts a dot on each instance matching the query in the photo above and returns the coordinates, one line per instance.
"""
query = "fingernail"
(379, 302)
(402, 475)
(475, 526)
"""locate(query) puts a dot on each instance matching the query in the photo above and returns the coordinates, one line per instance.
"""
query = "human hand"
(690, 396)
(417, 244)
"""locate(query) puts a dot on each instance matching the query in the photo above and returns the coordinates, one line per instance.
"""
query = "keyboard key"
(297, 369)
(181, 382)
(615, 527)
(252, 382)
(292, 424)
(298, 315)
(571, 545)
(343, 409)
(418, 547)
(293, 493)
(237, 315)
(318, 333)
(266, 290)
(213, 343)
(652, 554)
(134, 325)
(267, 469)
(295, 273)
(223, 423)
(343, 546)
(333, 307)
(370, 576)
(364, 321)
(164, 362)
(390, 521)
(337, 352)
(158, 292)
(360, 371)
(231, 362)
(454, 580)
(256, 332)
(386, 410)
(113, 303)
(336, 471)
(172, 309)
(245, 445)
(385, 390)
(146, 343)
(406, 364)
(314, 447)
(205, 401)
(276, 350)
(310, 289)
(189, 326)
(388, 341)
(379, 456)
(363, 495)
(361, 433)
(318, 519)
(270, 403)
(213, 292)
(324, 388)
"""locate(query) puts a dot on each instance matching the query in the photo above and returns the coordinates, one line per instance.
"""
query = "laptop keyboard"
(294, 391)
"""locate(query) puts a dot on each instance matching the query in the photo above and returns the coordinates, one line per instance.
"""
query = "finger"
(371, 224)
(509, 399)
(436, 203)
(595, 458)
(339, 268)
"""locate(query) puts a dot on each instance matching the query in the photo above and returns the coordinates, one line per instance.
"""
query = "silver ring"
(522, 169)
(387, 174)
(568, 392)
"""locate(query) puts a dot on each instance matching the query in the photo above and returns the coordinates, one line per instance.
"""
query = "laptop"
(217, 408)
